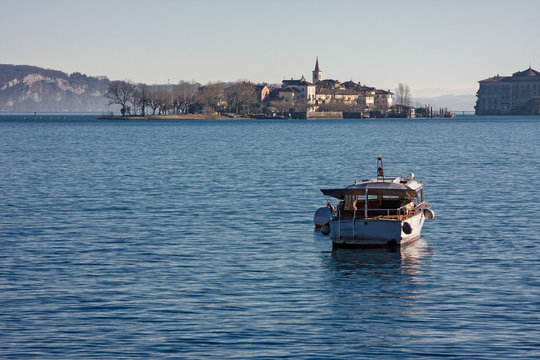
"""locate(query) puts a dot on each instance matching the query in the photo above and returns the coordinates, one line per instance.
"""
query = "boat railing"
(399, 213)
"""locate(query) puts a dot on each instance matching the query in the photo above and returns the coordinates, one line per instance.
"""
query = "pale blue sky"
(445, 46)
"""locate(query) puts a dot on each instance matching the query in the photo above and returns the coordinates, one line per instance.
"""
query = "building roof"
(496, 78)
(273, 95)
(328, 84)
(301, 82)
(378, 91)
(351, 85)
(366, 88)
(287, 89)
(527, 73)
(317, 65)
(259, 87)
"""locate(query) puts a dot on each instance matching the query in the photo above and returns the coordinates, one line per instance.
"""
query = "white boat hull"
(375, 232)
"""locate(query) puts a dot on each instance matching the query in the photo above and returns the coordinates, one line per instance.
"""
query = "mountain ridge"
(32, 88)
(449, 101)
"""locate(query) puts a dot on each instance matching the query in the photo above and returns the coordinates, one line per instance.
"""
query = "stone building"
(286, 94)
(367, 97)
(349, 93)
(501, 95)
(303, 90)
(383, 99)
(342, 96)
(327, 91)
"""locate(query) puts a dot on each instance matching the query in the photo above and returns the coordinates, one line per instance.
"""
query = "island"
(292, 99)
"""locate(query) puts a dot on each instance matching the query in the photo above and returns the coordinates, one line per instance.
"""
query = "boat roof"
(389, 186)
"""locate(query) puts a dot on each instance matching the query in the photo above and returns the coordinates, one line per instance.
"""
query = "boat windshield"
(420, 196)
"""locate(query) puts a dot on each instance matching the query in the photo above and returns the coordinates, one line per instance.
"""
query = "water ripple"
(187, 239)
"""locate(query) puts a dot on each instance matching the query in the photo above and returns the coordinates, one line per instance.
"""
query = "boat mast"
(380, 170)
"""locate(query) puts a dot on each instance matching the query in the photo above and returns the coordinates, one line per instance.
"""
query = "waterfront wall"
(317, 115)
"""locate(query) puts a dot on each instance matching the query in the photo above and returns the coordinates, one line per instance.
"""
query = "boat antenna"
(380, 169)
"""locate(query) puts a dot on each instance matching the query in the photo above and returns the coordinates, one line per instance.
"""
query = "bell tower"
(317, 73)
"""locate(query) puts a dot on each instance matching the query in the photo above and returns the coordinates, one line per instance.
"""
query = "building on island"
(500, 95)
(303, 90)
(383, 99)
(317, 73)
(331, 94)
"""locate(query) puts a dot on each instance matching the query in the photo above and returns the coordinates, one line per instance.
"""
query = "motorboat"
(379, 212)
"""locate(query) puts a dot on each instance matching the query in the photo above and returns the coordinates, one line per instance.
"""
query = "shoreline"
(174, 117)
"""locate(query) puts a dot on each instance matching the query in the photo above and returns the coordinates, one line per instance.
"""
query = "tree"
(403, 94)
(241, 97)
(210, 96)
(301, 105)
(135, 100)
(143, 97)
(121, 93)
(153, 101)
(281, 106)
(163, 100)
(183, 96)
(160, 98)
(340, 106)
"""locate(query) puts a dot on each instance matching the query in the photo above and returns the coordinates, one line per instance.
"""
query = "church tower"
(317, 73)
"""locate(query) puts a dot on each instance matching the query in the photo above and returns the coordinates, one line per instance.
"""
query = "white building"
(304, 90)
(383, 99)
(349, 93)
(328, 91)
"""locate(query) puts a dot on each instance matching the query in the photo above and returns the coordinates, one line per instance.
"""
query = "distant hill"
(31, 88)
(451, 102)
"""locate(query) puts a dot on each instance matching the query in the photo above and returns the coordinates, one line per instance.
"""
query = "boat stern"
(375, 232)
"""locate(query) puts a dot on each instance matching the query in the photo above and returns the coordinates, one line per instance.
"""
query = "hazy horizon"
(435, 48)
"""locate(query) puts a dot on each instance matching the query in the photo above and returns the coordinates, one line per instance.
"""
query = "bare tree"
(144, 92)
(121, 93)
(184, 96)
(135, 100)
(241, 97)
(281, 106)
(301, 105)
(153, 101)
(210, 95)
(163, 100)
(403, 94)
(339, 106)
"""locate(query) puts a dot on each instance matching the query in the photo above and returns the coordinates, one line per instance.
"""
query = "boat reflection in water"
(374, 291)
(388, 261)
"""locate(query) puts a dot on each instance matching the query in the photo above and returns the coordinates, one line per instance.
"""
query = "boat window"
(420, 196)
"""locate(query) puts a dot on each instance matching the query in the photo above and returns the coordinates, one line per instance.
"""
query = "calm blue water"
(194, 239)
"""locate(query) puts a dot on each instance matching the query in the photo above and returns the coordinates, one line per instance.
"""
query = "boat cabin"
(391, 198)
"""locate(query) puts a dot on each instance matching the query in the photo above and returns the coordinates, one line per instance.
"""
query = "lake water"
(194, 239)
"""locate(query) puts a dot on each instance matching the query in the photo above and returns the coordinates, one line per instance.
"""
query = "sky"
(436, 47)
